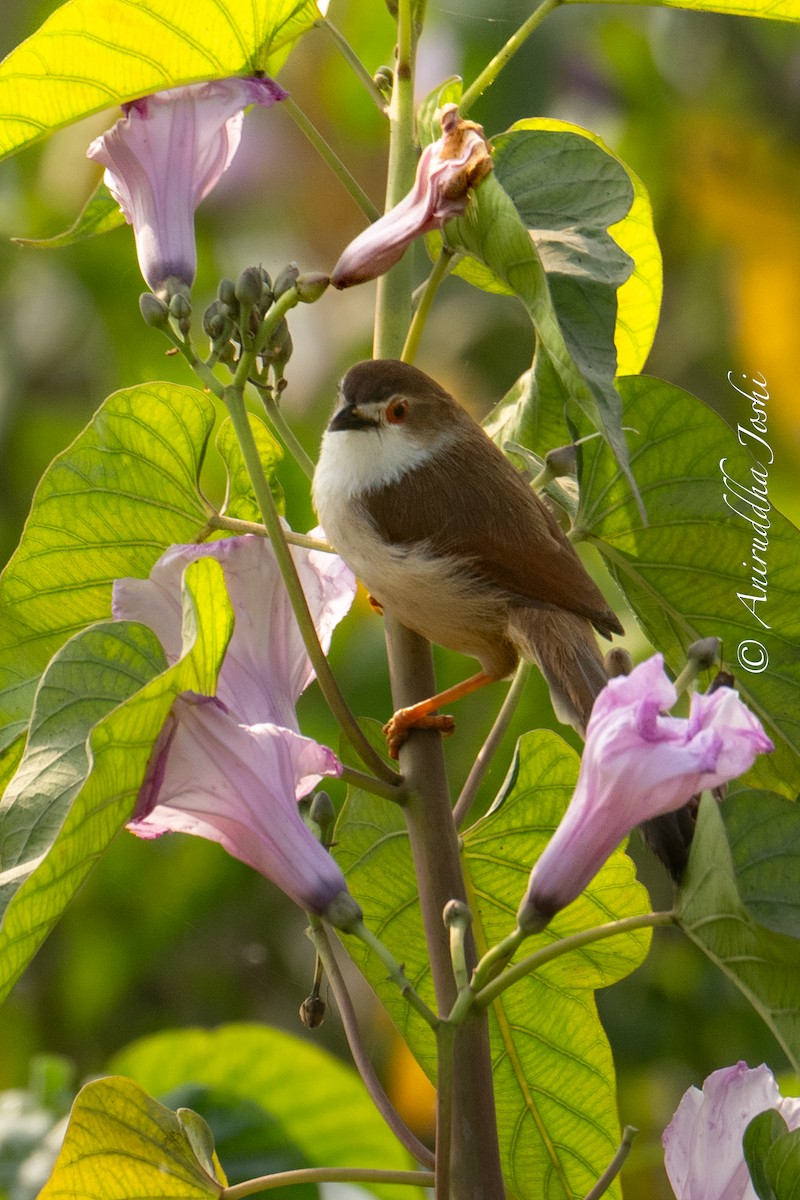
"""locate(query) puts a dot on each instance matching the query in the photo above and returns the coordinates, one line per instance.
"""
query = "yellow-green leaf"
(99, 710)
(778, 10)
(92, 54)
(554, 1077)
(122, 1144)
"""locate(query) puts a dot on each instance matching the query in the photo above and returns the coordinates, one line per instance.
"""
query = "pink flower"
(446, 173)
(165, 155)
(703, 1141)
(232, 767)
(637, 764)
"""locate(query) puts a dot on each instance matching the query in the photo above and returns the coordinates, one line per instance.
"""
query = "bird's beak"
(350, 418)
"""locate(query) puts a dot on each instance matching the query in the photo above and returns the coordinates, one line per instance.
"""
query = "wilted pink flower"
(232, 767)
(165, 155)
(446, 173)
(703, 1141)
(637, 764)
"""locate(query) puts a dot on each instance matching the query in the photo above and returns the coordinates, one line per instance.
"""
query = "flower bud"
(313, 1011)
(227, 293)
(343, 912)
(310, 286)
(217, 325)
(286, 279)
(154, 311)
(323, 814)
(618, 662)
(704, 653)
(249, 286)
(562, 460)
(180, 307)
(456, 912)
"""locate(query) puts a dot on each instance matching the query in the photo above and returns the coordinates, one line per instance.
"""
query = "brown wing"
(472, 504)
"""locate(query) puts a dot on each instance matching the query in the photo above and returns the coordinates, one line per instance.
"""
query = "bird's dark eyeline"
(450, 538)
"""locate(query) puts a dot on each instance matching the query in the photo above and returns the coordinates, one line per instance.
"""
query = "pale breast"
(431, 594)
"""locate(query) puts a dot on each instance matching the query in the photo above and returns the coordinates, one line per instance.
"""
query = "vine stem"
(234, 402)
(474, 1155)
(395, 792)
(217, 520)
(331, 158)
(349, 54)
(395, 972)
(615, 1166)
(325, 1175)
(429, 290)
(285, 432)
(360, 1057)
(504, 55)
(489, 748)
(519, 970)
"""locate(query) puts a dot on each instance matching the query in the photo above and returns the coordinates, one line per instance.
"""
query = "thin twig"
(234, 525)
(429, 290)
(349, 54)
(615, 1166)
(285, 432)
(415, 1147)
(395, 792)
(489, 748)
(325, 1175)
(331, 158)
(505, 54)
(395, 972)
(524, 967)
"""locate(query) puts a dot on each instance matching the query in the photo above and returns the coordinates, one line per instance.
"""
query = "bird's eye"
(397, 412)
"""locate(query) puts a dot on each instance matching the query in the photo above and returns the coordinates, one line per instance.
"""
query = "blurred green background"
(706, 109)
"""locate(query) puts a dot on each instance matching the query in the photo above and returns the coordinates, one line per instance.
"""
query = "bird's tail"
(563, 646)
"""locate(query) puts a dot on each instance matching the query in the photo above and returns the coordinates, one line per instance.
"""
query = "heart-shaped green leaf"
(552, 1064)
(92, 54)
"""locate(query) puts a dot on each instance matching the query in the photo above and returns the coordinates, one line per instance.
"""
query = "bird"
(448, 537)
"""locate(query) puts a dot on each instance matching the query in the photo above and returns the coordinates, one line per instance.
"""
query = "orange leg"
(424, 716)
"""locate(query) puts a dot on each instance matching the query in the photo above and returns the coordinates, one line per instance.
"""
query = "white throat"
(354, 461)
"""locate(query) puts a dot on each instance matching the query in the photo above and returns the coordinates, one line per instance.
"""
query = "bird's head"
(395, 414)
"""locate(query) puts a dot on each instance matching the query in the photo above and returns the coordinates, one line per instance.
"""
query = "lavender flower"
(637, 764)
(165, 155)
(446, 174)
(232, 767)
(703, 1141)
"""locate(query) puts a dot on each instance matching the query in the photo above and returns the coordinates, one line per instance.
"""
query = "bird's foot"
(398, 727)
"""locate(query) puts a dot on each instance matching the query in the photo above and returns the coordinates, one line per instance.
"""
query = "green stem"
(234, 525)
(445, 1044)
(512, 975)
(489, 747)
(329, 155)
(396, 972)
(285, 432)
(440, 269)
(615, 1166)
(393, 301)
(330, 689)
(395, 792)
(503, 56)
(325, 1175)
(360, 1057)
(349, 54)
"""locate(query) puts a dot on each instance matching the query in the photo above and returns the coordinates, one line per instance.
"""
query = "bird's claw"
(398, 727)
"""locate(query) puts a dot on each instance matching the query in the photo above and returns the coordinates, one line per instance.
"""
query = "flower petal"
(165, 155)
(637, 764)
(447, 171)
(266, 666)
(703, 1142)
(238, 785)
